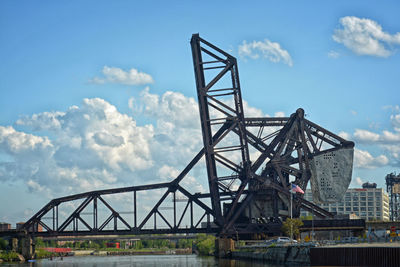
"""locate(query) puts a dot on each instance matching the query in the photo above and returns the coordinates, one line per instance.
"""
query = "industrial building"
(369, 203)
(5, 226)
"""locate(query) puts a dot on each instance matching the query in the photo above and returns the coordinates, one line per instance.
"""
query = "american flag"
(296, 188)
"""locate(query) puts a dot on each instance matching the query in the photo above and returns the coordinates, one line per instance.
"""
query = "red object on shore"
(113, 245)
(58, 250)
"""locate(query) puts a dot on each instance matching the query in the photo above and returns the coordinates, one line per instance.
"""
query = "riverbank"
(11, 256)
(42, 254)
(131, 252)
(297, 255)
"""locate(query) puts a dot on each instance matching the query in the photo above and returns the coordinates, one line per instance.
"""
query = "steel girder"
(284, 153)
(220, 100)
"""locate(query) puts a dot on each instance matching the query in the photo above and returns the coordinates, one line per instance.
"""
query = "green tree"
(185, 243)
(205, 244)
(77, 244)
(292, 226)
(172, 244)
(68, 245)
(84, 244)
(53, 244)
(138, 244)
(94, 245)
(3, 244)
(39, 242)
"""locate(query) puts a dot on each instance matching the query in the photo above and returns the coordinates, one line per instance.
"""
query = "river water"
(141, 260)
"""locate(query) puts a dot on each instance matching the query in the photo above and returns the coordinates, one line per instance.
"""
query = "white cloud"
(386, 137)
(345, 135)
(359, 181)
(13, 142)
(42, 121)
(171, 107)
(387, 140)
(394, 152)
(267, 49)
(366, 136)
(91, 146)
(333, 54)
(363, 159)
(117, 75)
(279, 114)
(365, 37)
(395, 109)
(395, 120)
(106, 139)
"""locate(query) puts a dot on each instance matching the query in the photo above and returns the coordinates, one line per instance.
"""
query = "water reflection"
(141, 260)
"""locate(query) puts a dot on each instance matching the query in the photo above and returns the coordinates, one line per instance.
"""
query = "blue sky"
(66, 61)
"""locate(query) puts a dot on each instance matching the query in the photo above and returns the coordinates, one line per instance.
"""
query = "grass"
(9, 256)
(41, 254)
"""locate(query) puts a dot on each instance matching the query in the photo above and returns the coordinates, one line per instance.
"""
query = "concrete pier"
(286, 255)
(224, 247)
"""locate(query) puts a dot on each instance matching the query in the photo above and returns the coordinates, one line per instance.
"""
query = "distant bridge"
(117, 237)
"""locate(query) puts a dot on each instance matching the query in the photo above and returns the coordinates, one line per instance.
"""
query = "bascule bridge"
(250, 164)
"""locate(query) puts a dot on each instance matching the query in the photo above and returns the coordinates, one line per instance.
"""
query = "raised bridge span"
(250, 163)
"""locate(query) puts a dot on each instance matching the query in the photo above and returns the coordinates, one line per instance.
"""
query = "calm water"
(142, 260)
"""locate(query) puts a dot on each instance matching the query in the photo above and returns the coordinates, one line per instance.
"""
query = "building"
(38, 228)
(19, 225)
(5, 226)
(369, 203)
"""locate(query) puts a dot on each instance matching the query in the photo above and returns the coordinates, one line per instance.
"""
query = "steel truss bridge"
(245, 196)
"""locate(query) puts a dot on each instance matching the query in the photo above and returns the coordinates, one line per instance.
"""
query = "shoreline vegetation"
(202, 245)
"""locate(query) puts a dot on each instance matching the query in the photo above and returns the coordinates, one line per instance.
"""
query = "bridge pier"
(14, 244)
(26, 247)
(224, 247)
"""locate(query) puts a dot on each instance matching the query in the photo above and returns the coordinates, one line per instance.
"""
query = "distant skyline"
(101, 94)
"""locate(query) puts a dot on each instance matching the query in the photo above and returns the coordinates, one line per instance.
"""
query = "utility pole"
(291, 213)
(312, 226)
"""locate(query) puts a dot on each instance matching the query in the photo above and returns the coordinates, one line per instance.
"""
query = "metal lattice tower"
(393, 189)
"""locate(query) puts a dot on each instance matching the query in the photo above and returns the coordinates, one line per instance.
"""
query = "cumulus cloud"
(90, 146)
(42, 121)
(363, 159)
(173, 107)
(266, 49)
(395, 120)
(387, 140)
(366, 136)
(385, 137)
(107, 139)
(365, 37)
(117, 75)
(13, 142)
